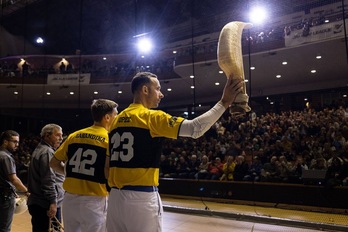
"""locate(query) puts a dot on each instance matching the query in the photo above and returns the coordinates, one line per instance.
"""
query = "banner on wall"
(69, 79)
(315, 33)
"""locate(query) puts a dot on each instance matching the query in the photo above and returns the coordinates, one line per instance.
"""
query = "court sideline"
(186, 215)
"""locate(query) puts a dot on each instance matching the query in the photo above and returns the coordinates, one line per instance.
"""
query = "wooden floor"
(188, 215)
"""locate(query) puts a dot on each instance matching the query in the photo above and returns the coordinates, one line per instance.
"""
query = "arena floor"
(186, 215)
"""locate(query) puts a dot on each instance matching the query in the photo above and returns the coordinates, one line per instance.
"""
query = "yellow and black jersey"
(135, 143)
(84, 153)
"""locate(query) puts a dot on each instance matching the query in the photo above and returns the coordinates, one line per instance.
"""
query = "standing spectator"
(84, 152)
(9, 181)
(62, 68)
(25, 69)
(44, 184)
(136, 142)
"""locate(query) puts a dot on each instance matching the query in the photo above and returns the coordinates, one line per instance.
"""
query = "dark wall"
(294, 194)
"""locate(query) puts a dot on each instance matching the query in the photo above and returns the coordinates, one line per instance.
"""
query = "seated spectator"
(284, 168)
(182, 168)
(228, 169)
(344, 171)
(241, 169)
(215, 169)
(270, 171)
(167, 167)
(318, 163)
(203, 168)
(296, 170)
(193, 164)
(333, 174)
(254, 170)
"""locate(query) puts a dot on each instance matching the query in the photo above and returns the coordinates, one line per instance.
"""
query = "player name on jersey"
(90, 136)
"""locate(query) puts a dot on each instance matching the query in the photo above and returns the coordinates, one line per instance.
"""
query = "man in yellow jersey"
(82, 155)
(135, 148)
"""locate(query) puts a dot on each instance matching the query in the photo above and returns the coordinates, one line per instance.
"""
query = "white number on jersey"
(83, 161)
(125, 141)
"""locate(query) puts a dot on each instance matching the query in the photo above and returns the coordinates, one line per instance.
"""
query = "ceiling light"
(246, 80)
(120, 91)
(344, 95)
(39, 40)
(95, 92)
(104, 58)
(284, 63)
(252, 68)
(192, 87)
(326, 21)
(217, 83)
(258, 15)
(221, 72)
(174, 52)
(169, 89)
(305, 99)
(192, 76)
(318, 57)
(72, 93)
(278, 76)
(15, 92)
(313, 71)
(48, 93)
(144, 45)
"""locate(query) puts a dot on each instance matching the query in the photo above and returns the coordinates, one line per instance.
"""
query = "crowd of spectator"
(270, 148)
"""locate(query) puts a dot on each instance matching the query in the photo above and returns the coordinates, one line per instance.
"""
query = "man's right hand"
(232, 88)
(51, 212)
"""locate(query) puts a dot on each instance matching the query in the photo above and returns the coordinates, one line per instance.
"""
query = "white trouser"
(134, 211)
(84, 213)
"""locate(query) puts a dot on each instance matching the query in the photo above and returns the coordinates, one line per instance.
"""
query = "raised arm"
(197, 127)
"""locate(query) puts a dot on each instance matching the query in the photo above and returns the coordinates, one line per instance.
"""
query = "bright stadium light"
(144, 45)
(257, 15)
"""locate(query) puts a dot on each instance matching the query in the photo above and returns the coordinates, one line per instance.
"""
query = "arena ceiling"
(104, 27)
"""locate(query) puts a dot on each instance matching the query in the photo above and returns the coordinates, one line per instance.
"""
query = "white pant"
(84, 213)
(134, 211)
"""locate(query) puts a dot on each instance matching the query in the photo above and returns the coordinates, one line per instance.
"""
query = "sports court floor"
(188, 215)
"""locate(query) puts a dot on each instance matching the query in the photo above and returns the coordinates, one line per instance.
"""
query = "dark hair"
(140, 79)
(7, 135)
(101, 107)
